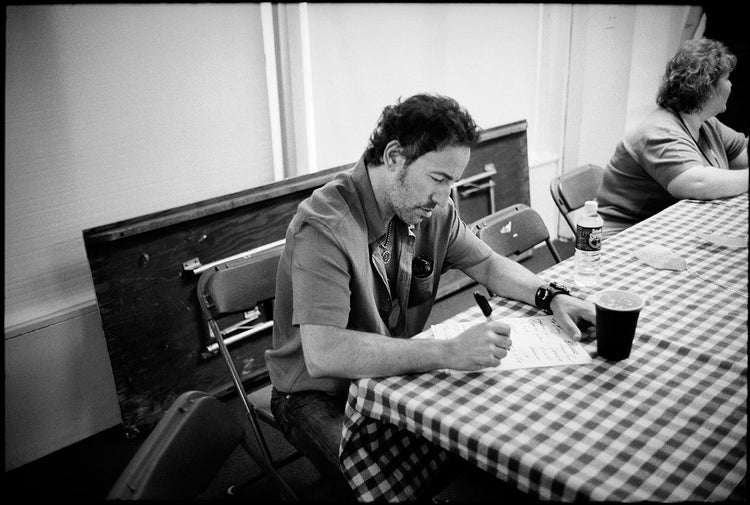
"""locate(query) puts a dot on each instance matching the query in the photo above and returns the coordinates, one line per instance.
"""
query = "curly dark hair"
(421, 124)
(693, 73)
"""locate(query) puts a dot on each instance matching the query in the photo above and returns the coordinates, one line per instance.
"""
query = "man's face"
(426, 182)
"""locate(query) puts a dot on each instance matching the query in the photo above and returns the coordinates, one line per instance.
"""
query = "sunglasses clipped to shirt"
(421, 268)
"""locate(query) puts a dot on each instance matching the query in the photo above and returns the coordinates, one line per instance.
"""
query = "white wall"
(504, 63)
(599, 76)
(644, 79)
(617, 57)
(111, 112)
(114, 111)
(117, 111)
(364, 57)
(577, 73)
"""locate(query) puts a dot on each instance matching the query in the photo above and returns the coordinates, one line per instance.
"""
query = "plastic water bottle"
(588, 246)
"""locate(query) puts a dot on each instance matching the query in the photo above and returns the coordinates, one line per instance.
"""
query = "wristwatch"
(545, 295)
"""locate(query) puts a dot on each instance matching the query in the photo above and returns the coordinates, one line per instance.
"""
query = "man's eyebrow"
(444, 174)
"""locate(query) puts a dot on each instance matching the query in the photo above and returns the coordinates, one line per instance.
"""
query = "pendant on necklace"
(384, 252)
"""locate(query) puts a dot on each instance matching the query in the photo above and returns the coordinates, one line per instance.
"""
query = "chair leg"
(553, 251)
(266, 460)
(269, 469)
(234, 489)
(279, 463)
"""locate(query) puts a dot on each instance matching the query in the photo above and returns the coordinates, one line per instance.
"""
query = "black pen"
(483, 304)
(486, 309)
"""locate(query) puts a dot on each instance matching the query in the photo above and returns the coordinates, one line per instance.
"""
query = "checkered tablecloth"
(667, 424)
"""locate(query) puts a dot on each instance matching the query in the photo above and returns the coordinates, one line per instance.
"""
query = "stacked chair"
(183, 453)
(570, 190)
(514, 230)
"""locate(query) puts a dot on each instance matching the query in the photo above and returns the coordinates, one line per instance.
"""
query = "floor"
(86, 471)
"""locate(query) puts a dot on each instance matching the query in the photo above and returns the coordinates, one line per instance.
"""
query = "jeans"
(312, 421)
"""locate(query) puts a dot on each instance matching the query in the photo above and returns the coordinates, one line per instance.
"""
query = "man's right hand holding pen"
(482, 345)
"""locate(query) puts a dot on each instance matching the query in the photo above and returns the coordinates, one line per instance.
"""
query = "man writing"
(360, 271)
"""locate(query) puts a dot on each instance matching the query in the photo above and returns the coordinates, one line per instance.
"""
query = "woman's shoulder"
(659, 123)
(661, 118)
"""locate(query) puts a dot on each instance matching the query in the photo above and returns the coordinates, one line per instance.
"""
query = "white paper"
(660, 257)
(537, 342)
(725, 240)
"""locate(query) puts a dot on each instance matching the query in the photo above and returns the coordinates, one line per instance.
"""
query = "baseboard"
(59, 387)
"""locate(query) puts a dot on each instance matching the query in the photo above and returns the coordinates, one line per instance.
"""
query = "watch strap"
(545, 294)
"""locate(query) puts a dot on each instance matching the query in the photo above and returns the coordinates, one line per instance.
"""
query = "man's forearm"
(353, 354)
(506, 278)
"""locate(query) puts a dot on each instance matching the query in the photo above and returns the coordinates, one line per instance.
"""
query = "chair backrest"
(183, 453)
(514, 230)
(571, 190)
(234, 287)
(238, 285)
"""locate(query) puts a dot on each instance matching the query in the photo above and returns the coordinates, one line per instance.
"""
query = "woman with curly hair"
(680, 150)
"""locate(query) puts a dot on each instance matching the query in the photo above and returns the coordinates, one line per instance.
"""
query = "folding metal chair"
(571, 190)
(514, 230)
(245, 287)
(183, 453)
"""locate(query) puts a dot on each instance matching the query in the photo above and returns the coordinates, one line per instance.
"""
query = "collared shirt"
(635, 180)
(332, 273)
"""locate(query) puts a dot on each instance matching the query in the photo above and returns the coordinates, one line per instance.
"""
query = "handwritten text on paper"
(537, 342)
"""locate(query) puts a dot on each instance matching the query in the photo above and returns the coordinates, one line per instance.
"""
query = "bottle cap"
(591, 206)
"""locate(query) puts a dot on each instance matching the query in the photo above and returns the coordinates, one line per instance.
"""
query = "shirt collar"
(376, 227)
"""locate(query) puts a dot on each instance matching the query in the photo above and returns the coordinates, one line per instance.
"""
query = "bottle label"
(588, 239)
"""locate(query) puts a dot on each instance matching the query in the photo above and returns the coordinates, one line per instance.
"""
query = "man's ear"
(392, 157)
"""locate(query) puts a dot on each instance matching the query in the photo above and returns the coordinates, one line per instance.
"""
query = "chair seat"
(261, 400)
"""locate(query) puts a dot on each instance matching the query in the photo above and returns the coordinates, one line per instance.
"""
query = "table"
(667, 424)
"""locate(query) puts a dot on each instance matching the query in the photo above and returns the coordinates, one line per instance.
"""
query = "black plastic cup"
(617, 314)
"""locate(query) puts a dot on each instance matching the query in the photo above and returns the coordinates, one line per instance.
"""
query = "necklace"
(697, 143)
(384, 252)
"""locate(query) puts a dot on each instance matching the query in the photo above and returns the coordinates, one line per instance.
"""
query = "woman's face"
(718, 102)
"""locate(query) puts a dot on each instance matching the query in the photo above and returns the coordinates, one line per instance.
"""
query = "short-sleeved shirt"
(659, 149)
(331, 273)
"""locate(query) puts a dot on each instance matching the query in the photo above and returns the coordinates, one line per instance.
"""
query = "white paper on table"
(537, 342)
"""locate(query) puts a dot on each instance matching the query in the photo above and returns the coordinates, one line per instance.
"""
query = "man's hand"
(574, 315)
(480, 346)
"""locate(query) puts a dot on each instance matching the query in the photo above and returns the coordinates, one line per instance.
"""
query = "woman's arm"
(740, 161)
(707, 183)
